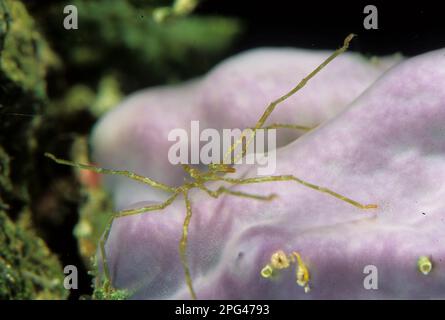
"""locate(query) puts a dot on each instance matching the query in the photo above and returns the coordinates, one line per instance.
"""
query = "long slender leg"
(124, 213)
(303, 182)
(288, 126)
(153, 183)
(185, 227)
(183, 244)
(129, 174)
(271, 107)
(277, 126)
(221, 190)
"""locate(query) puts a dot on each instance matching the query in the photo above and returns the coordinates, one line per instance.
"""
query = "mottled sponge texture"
(380, 138)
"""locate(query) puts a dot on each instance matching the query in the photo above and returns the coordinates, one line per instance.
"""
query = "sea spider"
(214, 172)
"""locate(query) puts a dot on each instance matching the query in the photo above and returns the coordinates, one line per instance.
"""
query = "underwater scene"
(221, 150)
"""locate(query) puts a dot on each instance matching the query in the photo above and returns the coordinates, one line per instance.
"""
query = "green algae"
(28, 270)
(25, 55)
(54, 84)
(149, 53)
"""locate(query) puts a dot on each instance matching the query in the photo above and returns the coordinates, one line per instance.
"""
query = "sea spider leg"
(303, 182)
(221, 190)
(288, 126)
(124, 213)
(271, 107)
(128, 174)
(131, 175)
(155, 184)
(183, 243)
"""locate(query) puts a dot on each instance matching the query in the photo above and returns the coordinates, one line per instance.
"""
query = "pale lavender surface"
(233, 95)
(387, 147)
(246, 83)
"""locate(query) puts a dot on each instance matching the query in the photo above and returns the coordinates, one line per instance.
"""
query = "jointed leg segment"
(183, 244)
(303, 182)
(288, 126)
(221, 190)
(128, 174)
(124, 213)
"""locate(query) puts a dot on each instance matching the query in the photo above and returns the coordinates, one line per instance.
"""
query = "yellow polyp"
(425, 265)
(371, 206)
(279, 260)
(267, 271)
(302, 273)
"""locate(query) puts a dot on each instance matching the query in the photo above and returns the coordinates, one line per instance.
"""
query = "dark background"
(404, 26)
